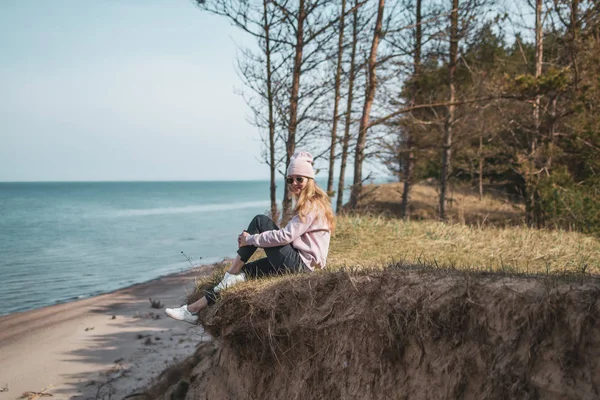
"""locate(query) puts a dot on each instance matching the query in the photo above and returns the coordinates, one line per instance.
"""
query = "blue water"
(69, 240)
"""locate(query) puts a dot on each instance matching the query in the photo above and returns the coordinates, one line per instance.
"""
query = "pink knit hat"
(301, 164)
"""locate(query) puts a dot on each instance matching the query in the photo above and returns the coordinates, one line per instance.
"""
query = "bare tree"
(291, 38)
(272, 165)
(311, 26)
(349, 101)
(371, 86)
(257, 70)
(447, 149)
(408, 165)
(338, 73)
(531, 198)
(296, 72)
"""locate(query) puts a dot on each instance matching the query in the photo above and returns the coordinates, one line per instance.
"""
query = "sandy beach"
(113, 343)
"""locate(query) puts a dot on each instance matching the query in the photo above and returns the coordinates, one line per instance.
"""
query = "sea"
(63, 241)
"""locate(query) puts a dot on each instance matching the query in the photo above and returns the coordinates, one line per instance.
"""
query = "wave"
(190, 209)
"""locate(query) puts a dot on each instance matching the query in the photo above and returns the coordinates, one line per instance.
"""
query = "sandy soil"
(405, 332)
(97, 348)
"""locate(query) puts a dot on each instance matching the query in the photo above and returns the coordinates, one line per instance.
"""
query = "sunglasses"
(298, 179)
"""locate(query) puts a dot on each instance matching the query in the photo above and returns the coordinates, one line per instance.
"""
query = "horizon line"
(164, 180)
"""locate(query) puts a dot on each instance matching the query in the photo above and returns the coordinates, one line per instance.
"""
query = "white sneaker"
(229, 280)
(182, 314)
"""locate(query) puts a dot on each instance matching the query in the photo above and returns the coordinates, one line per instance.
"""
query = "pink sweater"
(310, 238)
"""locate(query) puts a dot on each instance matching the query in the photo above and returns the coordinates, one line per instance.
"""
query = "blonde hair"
(312, 197)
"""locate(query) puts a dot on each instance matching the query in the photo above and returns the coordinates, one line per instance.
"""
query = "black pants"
(279, 260)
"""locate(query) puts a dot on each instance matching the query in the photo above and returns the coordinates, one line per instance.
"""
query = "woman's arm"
(294, 229)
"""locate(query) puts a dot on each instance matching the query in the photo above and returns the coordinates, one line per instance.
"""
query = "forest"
(500, 96)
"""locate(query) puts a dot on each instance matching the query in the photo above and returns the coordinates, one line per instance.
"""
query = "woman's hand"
(242, 239)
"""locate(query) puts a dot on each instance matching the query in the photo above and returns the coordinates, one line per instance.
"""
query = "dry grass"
(371, 241)
(488, 235)
(464, 205)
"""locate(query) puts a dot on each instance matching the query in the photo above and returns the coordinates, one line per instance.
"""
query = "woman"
(301, 246)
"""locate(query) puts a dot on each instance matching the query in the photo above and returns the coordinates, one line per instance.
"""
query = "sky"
(120, 90)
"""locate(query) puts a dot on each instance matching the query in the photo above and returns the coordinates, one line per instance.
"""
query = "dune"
(404, 332)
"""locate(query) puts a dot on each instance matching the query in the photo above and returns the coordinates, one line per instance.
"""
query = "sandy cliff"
(401, 333)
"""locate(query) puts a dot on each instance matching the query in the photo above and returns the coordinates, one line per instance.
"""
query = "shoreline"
(113, 342)
(103, 293)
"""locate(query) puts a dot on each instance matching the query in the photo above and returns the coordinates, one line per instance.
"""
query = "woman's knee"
(261, 220)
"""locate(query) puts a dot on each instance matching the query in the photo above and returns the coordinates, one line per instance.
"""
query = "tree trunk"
(291, 140)
(407, 168)
(272, 166)
(530, 202)
(346, 139)
(359, 153)
(480, 167)
(338, 73)
(447, 150)
(575, 28)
